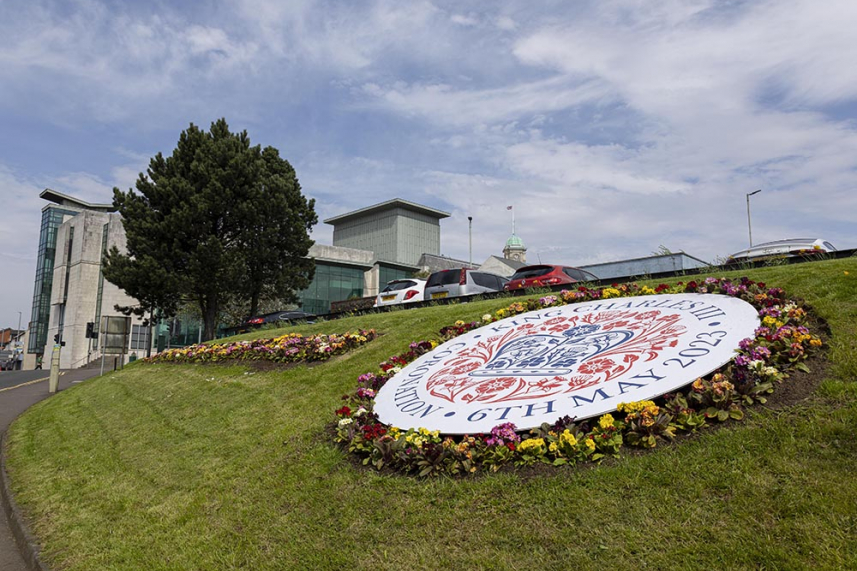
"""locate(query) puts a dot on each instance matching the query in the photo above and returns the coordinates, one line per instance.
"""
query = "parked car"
(401, 291)
(543, 275)
(782, 248)
(279, 316)
(459, 282)
(7, 360)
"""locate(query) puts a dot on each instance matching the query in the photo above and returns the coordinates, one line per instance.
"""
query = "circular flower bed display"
(581, 360)
(780, 343)
(289, 348)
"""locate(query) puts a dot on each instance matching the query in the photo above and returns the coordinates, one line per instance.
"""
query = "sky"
(614, 128)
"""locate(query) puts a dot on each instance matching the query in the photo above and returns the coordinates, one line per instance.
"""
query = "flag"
(508, 208)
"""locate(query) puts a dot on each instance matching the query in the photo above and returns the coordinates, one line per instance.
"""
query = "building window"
(386, 274)
(140, 339)
(331, 283)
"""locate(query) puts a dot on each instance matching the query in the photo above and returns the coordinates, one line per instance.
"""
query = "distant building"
(398, 239)
(372, 246)
(640, 267)
(396, 231)
(515, 249)
(501, 266)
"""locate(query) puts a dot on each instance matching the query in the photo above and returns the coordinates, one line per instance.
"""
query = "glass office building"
(332, 282)
(52, 217)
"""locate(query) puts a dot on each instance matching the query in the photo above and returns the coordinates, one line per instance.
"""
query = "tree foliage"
(218, 220)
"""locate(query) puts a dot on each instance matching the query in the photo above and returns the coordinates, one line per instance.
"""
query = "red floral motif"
(596, 366)
(652, 333)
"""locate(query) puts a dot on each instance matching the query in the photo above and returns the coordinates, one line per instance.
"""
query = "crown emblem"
(549, 355)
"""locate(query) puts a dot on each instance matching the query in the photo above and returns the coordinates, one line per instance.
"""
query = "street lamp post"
(470, 238)
(749, 227)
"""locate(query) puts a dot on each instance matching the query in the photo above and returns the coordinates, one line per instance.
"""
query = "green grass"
(209, 467)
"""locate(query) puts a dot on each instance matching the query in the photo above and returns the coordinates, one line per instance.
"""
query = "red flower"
(344, 411)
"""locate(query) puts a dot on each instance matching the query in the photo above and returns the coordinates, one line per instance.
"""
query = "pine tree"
(218, 219)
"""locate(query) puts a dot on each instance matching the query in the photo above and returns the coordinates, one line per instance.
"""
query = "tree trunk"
(209, 321)
(254, 303)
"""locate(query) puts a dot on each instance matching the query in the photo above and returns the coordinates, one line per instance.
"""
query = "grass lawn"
(219, 467)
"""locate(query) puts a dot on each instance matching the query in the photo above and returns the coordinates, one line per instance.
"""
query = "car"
(407, 290)
(545, 275)
(788, 248)
(462, 282)
(277, 316)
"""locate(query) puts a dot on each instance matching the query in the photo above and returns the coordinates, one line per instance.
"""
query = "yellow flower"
(610, 292)
(632, 407)
(567, 438)
(532, 446)
(605, 422)
(646, 290)
(553, 447)
(590, 444)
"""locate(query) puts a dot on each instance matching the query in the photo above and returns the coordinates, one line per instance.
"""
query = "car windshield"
(445, 277)
(532, 272)
(397, 286)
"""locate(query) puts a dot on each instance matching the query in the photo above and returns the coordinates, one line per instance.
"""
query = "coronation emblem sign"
(579, 360)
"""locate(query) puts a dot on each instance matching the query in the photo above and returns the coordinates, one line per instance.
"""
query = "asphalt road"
(14, 378)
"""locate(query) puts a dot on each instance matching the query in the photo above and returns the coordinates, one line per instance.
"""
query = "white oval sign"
(579, 360)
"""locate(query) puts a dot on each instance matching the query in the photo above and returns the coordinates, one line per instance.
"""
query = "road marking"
(24, 384)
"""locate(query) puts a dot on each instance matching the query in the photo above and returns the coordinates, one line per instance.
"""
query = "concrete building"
(63, 208)
(501, 266)
(396, 231)
(372, 246)
(81, 295)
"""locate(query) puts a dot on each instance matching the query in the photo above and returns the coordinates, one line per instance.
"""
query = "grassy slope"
(196, 467)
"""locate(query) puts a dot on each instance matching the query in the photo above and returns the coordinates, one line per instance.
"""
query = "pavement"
(19, 390)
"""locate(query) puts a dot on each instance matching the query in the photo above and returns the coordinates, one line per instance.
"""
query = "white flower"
(345, 422)
(486, 317)
(395, 370)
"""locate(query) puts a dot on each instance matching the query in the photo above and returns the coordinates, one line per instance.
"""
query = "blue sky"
(613, 127)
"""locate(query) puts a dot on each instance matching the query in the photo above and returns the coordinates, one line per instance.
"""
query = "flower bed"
(781, 344)
(290, 348)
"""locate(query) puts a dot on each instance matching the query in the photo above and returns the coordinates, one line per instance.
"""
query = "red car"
(544, 275)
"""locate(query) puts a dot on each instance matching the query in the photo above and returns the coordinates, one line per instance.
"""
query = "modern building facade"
(80, 294)
(63, 208)
(372, 246)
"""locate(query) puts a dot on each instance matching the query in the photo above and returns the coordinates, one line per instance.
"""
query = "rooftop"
(515, 242)
(66, 200)
(389, 205)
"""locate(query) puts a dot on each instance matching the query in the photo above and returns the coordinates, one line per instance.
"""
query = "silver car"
(460, 282)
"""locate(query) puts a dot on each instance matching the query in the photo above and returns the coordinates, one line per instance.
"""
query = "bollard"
(54, 379)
